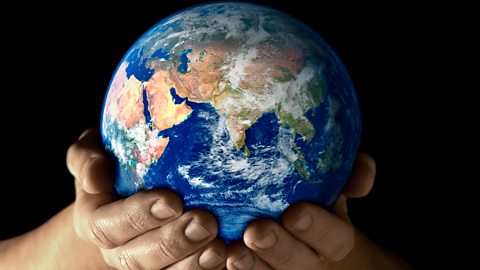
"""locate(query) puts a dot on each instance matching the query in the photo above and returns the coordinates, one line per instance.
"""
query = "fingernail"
(161, 210)
(209, 259)
(266, 242)
(196, 232)
(303, 223)
(245, 262)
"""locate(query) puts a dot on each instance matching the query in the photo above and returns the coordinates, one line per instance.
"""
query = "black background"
(60, 59)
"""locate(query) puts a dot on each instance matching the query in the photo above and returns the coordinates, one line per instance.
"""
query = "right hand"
(144, 231)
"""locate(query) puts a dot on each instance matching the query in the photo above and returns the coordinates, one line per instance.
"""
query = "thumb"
(88, 163)
(362, 177)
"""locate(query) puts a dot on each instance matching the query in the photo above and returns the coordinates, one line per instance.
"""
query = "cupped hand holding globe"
(228, 109)
(150, 229)
(242, 111)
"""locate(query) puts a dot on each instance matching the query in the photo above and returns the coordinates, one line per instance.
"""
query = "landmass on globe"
(239, 108)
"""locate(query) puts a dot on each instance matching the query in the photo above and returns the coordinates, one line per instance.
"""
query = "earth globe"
(240, 109)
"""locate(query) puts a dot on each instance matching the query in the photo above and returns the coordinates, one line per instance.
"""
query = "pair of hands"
(149, 229)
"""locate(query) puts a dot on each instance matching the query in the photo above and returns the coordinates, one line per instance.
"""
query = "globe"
(240, 109)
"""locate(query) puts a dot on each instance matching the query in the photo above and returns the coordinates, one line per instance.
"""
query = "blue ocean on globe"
(240, 109)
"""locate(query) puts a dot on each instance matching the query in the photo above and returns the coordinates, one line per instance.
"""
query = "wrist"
(77, 253)
(53, 245)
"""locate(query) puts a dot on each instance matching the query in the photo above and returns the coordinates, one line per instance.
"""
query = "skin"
(149, 230)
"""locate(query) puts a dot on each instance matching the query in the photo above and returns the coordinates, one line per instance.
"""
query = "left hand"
(147, 230)
(310, 237)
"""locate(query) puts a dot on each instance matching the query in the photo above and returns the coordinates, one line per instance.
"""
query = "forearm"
(368, 255)
(54, 245)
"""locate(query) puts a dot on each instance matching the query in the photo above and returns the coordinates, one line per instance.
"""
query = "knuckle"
(99, 235)
(166, 251)
(137, 220)
(339, 252)
(287, 258)
(322, 231)
(128, 262)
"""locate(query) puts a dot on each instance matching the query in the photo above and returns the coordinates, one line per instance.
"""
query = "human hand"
(310, 237)
(144, 231)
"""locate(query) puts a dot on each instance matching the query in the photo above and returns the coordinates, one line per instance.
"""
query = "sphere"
(240, 109)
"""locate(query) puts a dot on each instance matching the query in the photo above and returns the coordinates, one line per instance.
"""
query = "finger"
(278, 248)
(116, 223)
(164, 246)
(85, 205)
(240, 257)
(330, 236)
(87, 161)
(210, 257)
(362, 177)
